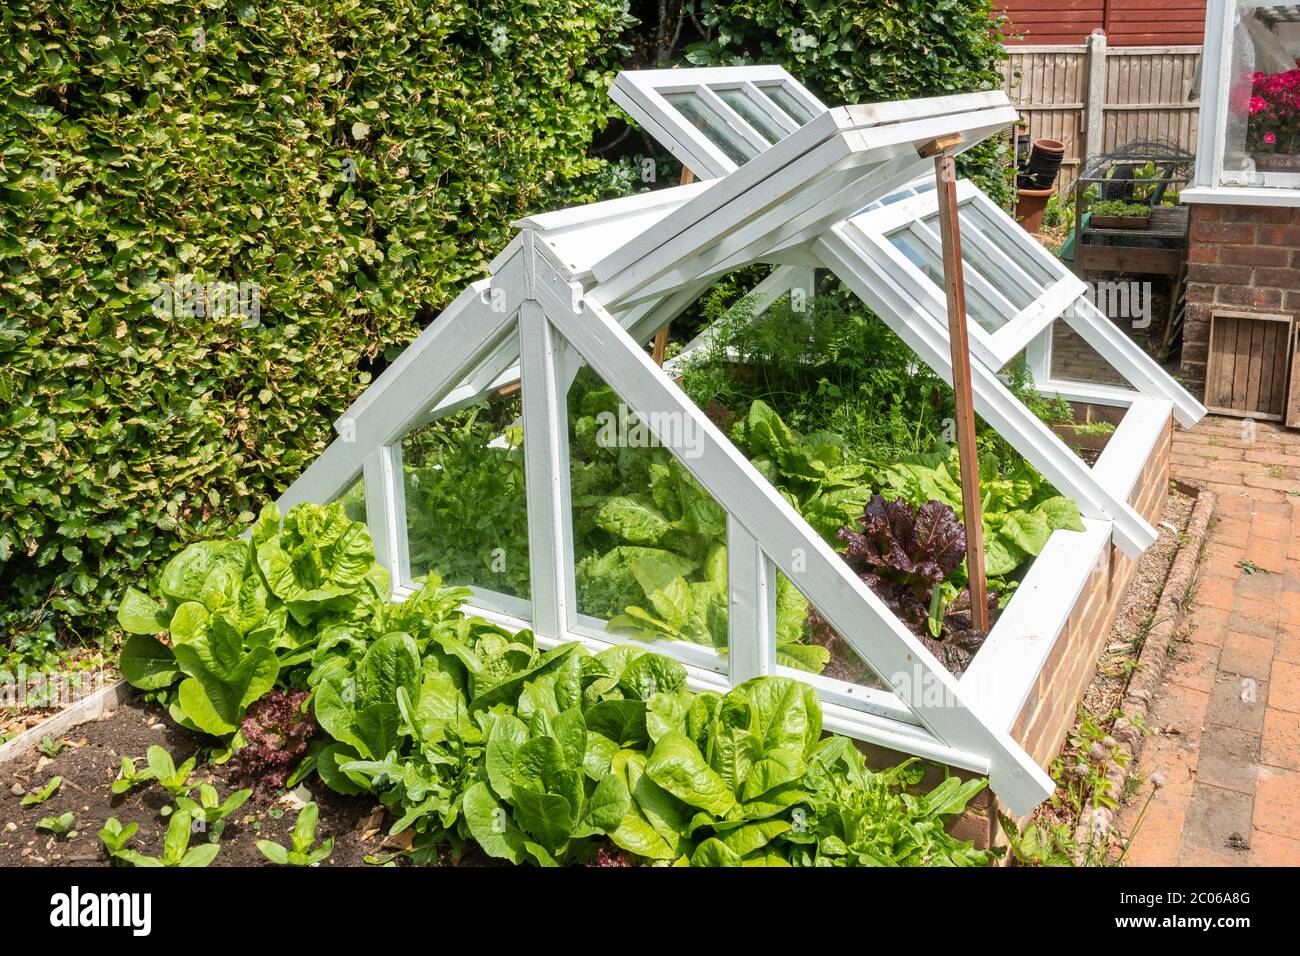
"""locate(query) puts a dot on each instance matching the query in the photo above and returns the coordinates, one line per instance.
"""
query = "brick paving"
(1226, 720)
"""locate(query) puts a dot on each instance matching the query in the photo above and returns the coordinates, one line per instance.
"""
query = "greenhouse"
(564, 318)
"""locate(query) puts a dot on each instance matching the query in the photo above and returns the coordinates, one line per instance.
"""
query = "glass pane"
(466, 509)
(752, 114)
(649, 542)
(979, 309)
(806, 641)
(1074, 360)
(976, 220)
(354, 501)
(689, 106)
(792, 107)
(1262, 137)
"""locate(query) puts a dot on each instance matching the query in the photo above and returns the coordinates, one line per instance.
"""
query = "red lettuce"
(276, 735)
(903, 552)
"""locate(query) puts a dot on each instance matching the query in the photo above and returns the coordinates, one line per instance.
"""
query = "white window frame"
(643, 95)
(1048, 303)
(1211, 182)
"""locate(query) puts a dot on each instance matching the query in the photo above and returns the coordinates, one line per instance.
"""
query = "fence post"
(1094, 126)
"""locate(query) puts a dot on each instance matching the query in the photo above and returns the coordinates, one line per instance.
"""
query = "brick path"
(1226, 720)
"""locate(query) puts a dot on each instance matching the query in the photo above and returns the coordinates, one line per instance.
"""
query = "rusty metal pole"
(950, 234)
(661, 337)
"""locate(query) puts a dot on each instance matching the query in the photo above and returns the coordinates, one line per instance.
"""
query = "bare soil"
(91, 761)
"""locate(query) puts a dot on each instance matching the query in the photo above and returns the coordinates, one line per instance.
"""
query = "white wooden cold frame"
(774, 105)
(590, 285)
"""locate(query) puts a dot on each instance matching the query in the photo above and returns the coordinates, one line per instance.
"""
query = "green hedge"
(358, 160)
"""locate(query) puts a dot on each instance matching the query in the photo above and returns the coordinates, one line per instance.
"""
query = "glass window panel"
(466, 508)
(793, 107)
(806, 641)
(975, 220)
(1074, 360)
(1262, 137)
(984, 313)
(650, 544)
(689, 106)
(354, 501)
(752, 114)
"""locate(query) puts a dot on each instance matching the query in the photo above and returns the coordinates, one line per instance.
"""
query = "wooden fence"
(1095, 98)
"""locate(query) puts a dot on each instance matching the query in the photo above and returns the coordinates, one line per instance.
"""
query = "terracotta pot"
(1054, 146)
(1030, 204)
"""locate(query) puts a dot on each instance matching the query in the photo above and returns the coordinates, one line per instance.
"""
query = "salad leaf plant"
(115, 836)
(472, 734)
(303, 849)
(44, 793)
(60, 825)
(175, 780)
(129, 777)
(49, 747)
(209, 812)
(176, 847)
(238, 612)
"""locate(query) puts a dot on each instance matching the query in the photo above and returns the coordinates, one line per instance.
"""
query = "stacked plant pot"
(1036, 181)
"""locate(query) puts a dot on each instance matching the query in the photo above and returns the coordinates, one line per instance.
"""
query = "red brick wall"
(1238, 257)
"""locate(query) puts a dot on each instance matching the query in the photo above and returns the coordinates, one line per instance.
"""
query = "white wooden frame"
(989, 269)
(644, 95)
(590, 285)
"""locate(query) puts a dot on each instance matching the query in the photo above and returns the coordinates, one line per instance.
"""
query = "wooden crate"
(1250, 355)
(1293, 390)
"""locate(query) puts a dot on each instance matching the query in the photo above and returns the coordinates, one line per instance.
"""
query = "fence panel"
(1146, 95)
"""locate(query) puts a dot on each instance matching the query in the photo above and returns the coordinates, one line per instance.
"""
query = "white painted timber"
(1132, 444)
(846, 602)
(546, 475)
(386, 511)
(776, 188)
(751, 606)
(1001, 677)
(643, 95)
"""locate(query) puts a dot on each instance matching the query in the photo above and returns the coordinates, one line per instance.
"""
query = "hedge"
(357, 160)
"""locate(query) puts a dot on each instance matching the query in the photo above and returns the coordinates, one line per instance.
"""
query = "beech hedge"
(338, 167)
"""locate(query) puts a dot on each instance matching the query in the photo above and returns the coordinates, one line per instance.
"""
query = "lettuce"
(1020, 510)
(239, 612)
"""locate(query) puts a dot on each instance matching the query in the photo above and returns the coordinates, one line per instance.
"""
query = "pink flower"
(1270, 138)
(1257, 104)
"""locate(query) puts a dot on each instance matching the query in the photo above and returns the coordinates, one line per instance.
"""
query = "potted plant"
(1120, 214)
(1271, 103)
